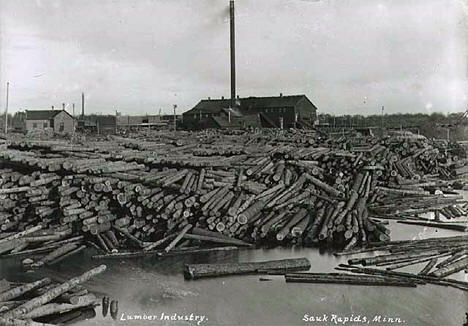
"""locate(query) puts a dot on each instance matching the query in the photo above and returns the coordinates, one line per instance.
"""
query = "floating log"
(216, 239)
(416, 278)
(196, 271)
(174, 252)
(428, 267)
(347, 279)
(392, 257)
(446, 226)
(451, 268)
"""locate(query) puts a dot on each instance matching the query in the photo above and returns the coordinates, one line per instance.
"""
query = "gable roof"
(43, 114)
(214, 106)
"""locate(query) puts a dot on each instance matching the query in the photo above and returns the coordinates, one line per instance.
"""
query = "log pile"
(44, 302)
(186, 190)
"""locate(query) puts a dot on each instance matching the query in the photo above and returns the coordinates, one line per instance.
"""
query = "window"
(45, 125)
(62, 127)
(34, 125)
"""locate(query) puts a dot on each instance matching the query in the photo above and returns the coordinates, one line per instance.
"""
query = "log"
(178, 238)
(55, 254)
(54, 308)
(428, 267)
(22, 233)
(20, 290)
(417, 278)
(415, 261)
(68, 254)
(353, 280)
(447, 226)
(216, 239)
(72, 317)
(18, 322)
(162, 253)
(196, 271)
(200, 231)
(451, 268)
(153, 245)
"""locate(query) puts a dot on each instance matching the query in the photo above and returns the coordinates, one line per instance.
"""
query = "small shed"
(102, 124)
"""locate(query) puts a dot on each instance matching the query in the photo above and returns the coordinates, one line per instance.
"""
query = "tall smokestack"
(82, 106)
(233, 54)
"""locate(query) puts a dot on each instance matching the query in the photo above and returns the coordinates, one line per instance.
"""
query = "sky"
(143, 56)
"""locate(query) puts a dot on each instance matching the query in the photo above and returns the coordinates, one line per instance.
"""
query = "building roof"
(43, 114)
(103, 120)
(214, 106)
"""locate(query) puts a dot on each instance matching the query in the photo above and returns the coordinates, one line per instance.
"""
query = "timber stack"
(203, 189)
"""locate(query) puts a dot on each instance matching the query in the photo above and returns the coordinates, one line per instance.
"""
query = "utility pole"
(116, 115)
(73, 132)
(175, 107)
(6, 106)
(233, 52)
(381, 120)
(82, 106)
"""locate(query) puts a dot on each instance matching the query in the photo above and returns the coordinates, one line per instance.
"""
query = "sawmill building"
(60, 121)
(267, 112)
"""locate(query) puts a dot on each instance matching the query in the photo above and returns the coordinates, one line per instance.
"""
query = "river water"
(152, 286)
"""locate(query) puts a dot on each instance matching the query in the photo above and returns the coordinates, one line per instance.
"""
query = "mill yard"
(302, 198)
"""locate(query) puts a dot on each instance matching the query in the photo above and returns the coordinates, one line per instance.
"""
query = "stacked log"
(263, 187)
